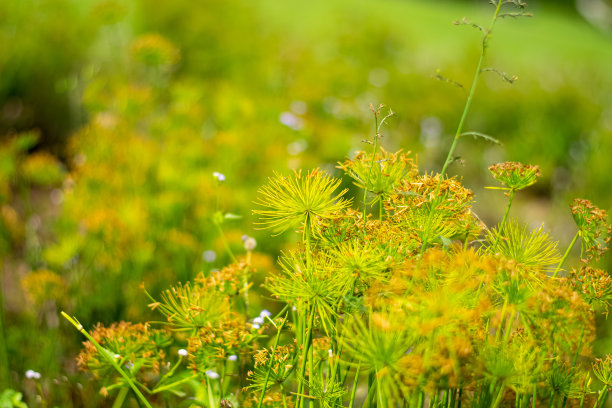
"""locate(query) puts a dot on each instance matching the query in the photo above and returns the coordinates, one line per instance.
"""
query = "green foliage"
(534, 249)
(12, 399)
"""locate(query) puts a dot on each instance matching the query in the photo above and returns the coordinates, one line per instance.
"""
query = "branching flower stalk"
(377, 136)
(458, 133)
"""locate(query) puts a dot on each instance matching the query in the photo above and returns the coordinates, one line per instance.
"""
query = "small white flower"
(32, 375)
(264, 313)
(233, 357)
(330, 352)
(219, 176)
(117, 356)
(212, 374)
(258, 320)
(129, 365)
(250, 244)
(182, 353)
(256, 326)
(290, 120)
(209, 256)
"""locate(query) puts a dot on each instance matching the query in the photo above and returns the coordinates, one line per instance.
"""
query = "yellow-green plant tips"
(299, 200)
(534, 249)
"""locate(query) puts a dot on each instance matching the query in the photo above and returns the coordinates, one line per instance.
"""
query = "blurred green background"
(114, 114)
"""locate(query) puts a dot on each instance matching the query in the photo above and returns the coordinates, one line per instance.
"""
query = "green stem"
(355, 381)
(211, 398)
(567, 252)
(282, 390)
(225, 243)
(365, 187)
(245, 285)
(380, 401)
(306, 347)
(169, 386)
(500, 394)
(468, 103)
(104, 353)
(270, 362)
(501, 321)
(121, 397)
(5, 373)
(603, 395)
(503, 223)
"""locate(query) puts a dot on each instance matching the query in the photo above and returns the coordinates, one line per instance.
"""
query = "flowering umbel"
(515, 176)
(594, 228)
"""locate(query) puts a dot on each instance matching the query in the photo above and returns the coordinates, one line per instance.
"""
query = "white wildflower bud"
(258, 320)
(212, 374)
(331, 353)
(233, 357)
(182, 353)
(250, 244)
(264, 313)
(256, 326)
(32, 375)
(209, 256)
(219, 176)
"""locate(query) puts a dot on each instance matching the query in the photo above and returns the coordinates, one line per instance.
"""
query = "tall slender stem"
(270, 362)
(121, 398)
(306, 347)
(373, 161)
(228, 249)
(503, 223)
(355, 382)
(282, 390)
(567, 252)
(5, 373)
(466, 109)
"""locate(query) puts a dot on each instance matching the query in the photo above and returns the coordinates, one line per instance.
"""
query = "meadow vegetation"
(376, 279)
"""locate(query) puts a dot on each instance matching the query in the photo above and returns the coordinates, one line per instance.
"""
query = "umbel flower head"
(381, 173)
(603, 370)
(299, 200)
(593, 226)
(515, 176)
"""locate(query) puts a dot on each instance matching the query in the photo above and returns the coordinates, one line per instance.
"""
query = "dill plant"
(420, 305)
